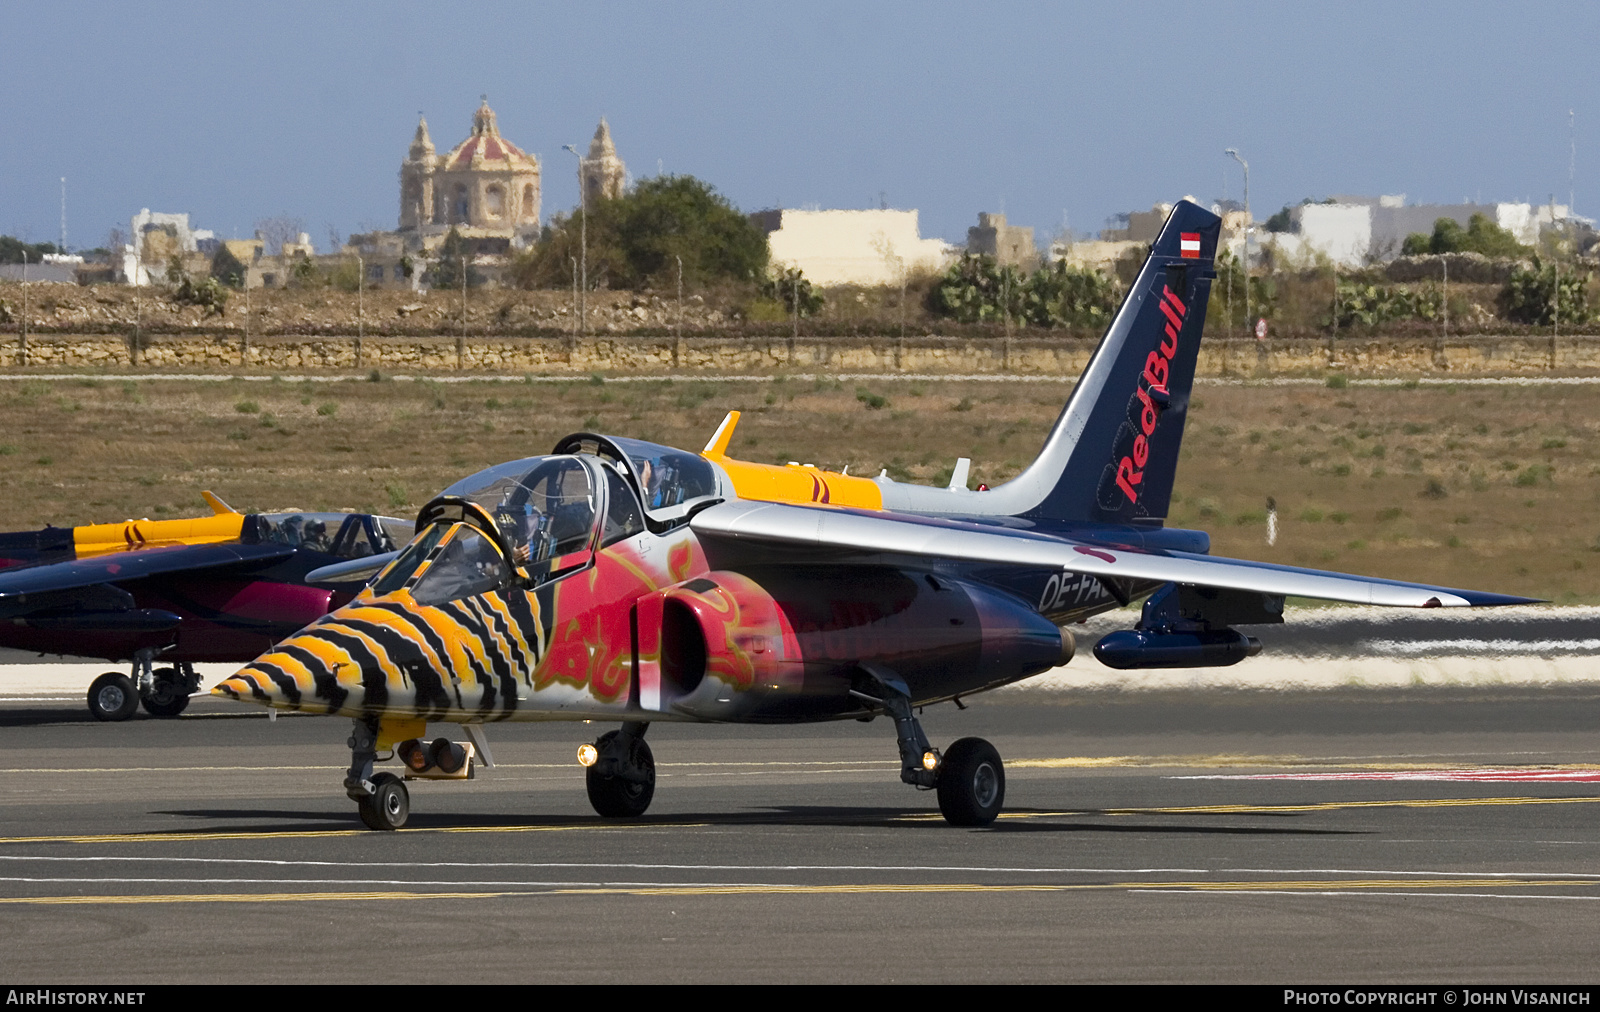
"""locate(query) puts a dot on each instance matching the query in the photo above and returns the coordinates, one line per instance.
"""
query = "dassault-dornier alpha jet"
(622, 581)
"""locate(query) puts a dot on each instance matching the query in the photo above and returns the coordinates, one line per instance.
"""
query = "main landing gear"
(970, 779)
(164, 692)
(621, 772)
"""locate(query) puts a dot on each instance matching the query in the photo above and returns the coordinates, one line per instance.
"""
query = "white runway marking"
(751, 868)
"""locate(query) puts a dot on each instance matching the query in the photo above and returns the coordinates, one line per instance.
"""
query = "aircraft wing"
(18, 586)
(936, 538)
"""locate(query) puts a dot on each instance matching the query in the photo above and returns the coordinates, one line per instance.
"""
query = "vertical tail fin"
(1113, 452)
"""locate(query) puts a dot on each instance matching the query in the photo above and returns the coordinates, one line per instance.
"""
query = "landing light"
(930, 760)
(587, 754)
(415, 755)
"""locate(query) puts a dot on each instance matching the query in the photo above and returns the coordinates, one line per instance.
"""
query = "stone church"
(485, 188)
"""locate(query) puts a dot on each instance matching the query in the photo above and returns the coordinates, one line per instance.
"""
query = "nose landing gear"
(381, 799)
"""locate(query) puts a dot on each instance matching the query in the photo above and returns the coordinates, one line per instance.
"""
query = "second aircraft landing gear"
(164, 692)
(113, 697)
(970, 778)
(621, 774)
(169, 691)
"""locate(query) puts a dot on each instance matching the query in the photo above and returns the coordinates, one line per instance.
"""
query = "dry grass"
(1476, 487)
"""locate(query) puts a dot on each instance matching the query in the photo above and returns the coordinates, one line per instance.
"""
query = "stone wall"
(1042, 357)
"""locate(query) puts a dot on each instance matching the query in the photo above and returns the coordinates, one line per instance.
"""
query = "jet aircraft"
(626, 582)
(218, 588)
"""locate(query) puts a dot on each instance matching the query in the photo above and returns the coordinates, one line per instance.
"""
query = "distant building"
(852, 247)
(1095, 254)
(486, 188)
(64, 274)
(1353, 230)
(1009, 244)
(604, 174)
(157, 239)
(1138, 226)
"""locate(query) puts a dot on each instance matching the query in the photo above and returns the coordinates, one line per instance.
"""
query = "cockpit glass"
(407, 562)
(669, 477)
(345, 535)
(468, 564)
(623, 516)
(544, 506)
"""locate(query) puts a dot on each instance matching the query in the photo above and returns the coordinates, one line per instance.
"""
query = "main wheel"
(388, 806)
(616, 797)
(168, 696)
(112, 697)
(972, 783)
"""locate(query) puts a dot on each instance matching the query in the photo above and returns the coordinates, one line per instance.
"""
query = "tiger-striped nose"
(294, 675)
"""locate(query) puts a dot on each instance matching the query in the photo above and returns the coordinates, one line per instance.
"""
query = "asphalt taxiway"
(1425, 834)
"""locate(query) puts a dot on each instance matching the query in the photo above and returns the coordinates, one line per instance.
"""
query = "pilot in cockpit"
(518, 523)
(657, 478)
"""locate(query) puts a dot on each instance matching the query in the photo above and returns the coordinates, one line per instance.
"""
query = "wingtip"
(218, 507)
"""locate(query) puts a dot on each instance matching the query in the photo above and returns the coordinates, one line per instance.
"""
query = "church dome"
(485, 148)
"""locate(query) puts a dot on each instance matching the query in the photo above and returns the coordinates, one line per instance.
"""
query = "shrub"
(874, 402)
(1531, 293)
(1365, 304)
(1480, 236)
(1063, 296)
(790, 288)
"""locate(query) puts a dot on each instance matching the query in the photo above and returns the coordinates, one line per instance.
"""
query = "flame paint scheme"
(624, 581)
(217, 588)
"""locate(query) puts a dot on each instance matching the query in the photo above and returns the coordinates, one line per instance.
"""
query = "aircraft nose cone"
(294, 675)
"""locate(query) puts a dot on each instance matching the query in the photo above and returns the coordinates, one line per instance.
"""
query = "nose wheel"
(389, 804)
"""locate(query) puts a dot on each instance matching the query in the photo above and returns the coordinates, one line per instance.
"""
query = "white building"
(147, 250)
(1353, 231)
(852, 247)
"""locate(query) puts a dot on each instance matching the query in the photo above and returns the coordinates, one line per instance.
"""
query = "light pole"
(1231, 153)
(22, 343)
(574, 262)
(361, 304)
(583, 244)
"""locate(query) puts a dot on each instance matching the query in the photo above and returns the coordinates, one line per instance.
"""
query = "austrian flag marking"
(1189, 245)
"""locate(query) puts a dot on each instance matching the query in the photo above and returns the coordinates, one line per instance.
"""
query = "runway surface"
(1438, 834)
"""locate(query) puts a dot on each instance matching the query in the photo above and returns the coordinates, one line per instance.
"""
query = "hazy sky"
(234, 112)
